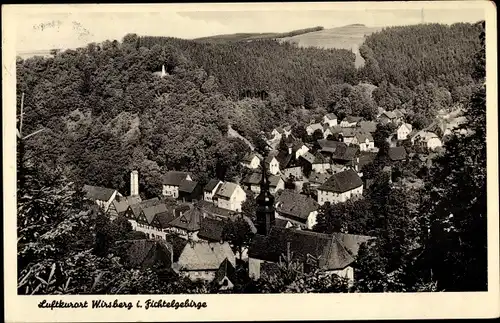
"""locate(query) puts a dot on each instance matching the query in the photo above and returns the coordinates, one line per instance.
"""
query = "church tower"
(265, 205)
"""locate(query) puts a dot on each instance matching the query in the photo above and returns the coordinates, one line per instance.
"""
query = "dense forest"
(105, 110)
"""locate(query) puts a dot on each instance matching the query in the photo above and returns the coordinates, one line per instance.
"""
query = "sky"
(69, 27)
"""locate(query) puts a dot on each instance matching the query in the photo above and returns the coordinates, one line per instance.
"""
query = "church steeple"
(265, 205)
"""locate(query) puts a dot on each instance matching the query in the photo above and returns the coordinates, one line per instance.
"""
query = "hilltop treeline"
(244, 37)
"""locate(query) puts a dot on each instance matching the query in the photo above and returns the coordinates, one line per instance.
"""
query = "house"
(210, 189)
(211, 229)
(251, 160)
(397, 153)
(252, 182)
(299, 209)
(340, 187)
(230, 196)
(171, 182)
(133, 211)
(213, 211)
(146, 217)
(350, 122)
(365, 141)
(403, 131)
(368, 126)
(390, 117)
(145, 253)
(102, 196)
(281, 132)
(162, 220)
(272, 164)
(317, 179)
(426, 139)
(289, 165)
(320, 164)
(201, 260)
(329, 147)
(345, 156)
(330, 253)
(190, 191)
(225, 275)
(330, 119)
(330, 131)
(298, 148)
(120, 205)
(188, 224)
(399, 113)
(310, 129)
(349, 136)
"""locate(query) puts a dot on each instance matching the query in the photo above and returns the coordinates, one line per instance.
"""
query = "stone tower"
(134, 183)
(265, 205)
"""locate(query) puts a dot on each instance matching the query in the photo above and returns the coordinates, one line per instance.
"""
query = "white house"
(201, 260)
(320, 164)
(349, 136)
(251, 161)
(281, 132)
(210, 189)
(298, 209)
(272, 164)
(427, 139)
(350, 122)
(365, 141)
(172, 181)
(102, 196)
(330, 119)
(252, 182)
(331, 253)
(403, 131)
(310, 129)
(229, 196)
(340, 187)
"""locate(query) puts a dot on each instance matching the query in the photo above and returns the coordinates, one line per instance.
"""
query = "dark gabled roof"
(211, 185)
(145, 252)
(318, 178)
(249, 157)
(285, 159)
(330, 146)
(342, 182)
(389, 114)
(332, 251)
(137, 208)
(152, 211)
(362, 136)
(295, 205)
(254, 179)
(97, 193)
(226, 269)
(164, 218)
(121, 204)
(308, 157)
(366, 158)
(352, 119)
(211, 229)
(210, 208)
(280, 223)
(189, 221)
(398, 113)
(174, 178)
(345, 153)
(397, 153)
(187, 186)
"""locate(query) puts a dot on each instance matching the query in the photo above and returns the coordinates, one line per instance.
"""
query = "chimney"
(290, 150)
(134, 183)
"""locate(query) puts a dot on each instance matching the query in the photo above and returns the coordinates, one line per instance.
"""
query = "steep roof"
(164, 218)
(366, 158)
(97, 193)
(352, 119)
(249, 157)
(318, 178)
(210, 208)
(226, 190)
(320, 159)
(187, 186)
(137, 208)
(330, 146)
(285, 159)
(398, 113)
(189, 221)
(397, 153)
(316, 126)
(332, 251)
(174, 178)
(345, 153)
(368, 126)
(254, 179)
(407, 125)
(202, 255)
(362, 136)
(342, 182)
(121, 204)
(226, 269)
(308, 157)
(389, 114)
(211, 229)
(295, 205)
(331, 116)
(211, 185)
(140, 253)
(152, 211)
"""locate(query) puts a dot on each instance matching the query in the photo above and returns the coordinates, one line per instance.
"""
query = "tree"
(238, 233)
(317, 135)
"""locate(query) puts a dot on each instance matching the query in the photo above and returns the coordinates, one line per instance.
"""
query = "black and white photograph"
(250, 149)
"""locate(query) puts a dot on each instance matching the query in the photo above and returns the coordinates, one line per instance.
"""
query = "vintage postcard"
(250, 161)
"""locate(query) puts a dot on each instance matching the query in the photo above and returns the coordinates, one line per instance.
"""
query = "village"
(290, 185)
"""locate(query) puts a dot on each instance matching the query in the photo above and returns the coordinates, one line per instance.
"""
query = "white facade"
(347, 272)
(330, 122)
(347, 124)
(276, 134)
(208, 196)
(234, 202)
(350, 140)
(367, 145)
(327, 196)
(253, 164)
(301, 151)
(434, 143)
(274, 166)
(310, 129)
(403, 131)
(171, 190)
(321, 168)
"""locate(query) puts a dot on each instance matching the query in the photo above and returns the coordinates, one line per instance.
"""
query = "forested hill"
(108, 112)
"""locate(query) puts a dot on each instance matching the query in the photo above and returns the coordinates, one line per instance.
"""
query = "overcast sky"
(72, 28)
